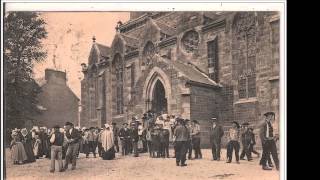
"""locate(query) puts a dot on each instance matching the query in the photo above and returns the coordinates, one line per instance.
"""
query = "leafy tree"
(23, 33)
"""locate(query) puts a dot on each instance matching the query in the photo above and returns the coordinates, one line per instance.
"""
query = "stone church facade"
(196, 65)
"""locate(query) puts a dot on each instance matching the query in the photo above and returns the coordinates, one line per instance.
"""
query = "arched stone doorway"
(159, 100)
(157, 91)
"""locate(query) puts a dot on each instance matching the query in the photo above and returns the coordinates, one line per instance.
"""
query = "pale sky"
(70, 39)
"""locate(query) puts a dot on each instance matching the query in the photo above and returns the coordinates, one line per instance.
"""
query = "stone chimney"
(55, 76)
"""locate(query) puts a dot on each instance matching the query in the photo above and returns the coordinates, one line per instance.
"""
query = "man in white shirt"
(56, 141)
(73, 137)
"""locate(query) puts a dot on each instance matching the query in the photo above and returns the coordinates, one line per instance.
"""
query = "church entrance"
(159, 100)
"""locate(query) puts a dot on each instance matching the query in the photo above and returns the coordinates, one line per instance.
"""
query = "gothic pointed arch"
(156, 76)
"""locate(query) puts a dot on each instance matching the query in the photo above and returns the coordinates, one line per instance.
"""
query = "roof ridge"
(129, 36)
(103, 45)
(177, 64)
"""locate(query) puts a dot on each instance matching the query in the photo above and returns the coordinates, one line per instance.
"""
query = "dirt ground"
(143, 167)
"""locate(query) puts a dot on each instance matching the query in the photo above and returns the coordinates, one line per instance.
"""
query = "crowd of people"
(151, 134)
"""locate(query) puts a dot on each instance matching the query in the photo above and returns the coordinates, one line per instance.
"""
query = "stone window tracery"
(190, 41)
(148, 53)
(244, 39)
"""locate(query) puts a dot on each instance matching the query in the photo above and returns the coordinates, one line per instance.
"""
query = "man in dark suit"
(246, 139)
(115, 130)
(216, 133)
(135, 139)
(196, 139)
(73, 137)
(164, 141)
(124, 135)
(268, 141)
(182, 135)
(252, 143)
(189, 142)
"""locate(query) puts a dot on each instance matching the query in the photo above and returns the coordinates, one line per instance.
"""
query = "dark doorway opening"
(159, 101)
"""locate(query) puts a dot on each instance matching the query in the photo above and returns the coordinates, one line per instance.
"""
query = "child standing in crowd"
(234, 136)
(37, 145)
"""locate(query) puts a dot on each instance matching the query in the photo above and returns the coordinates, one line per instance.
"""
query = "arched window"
(244, 53)
(148, 53)
(118, 68)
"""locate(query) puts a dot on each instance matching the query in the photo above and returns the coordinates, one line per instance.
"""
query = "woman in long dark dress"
(18, 153)
(27, 143)
(107, 140)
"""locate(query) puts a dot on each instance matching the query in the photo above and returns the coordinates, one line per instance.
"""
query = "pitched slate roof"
(105, 51)
(131, 41)
(191, 73)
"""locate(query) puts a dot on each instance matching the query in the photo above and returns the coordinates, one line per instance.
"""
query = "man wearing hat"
(99, 140)
(189, 142)
(92, 142)
(252, 143)
(181, 134)
(268, 141)
(56, 141)
(73, 137)
(43, 135)
(124, 135)
(164, 140)
(115, 131)
(216, 133)
(246, 139)
(135, 138)
(233, 144)
(155, 141)
(195, 134)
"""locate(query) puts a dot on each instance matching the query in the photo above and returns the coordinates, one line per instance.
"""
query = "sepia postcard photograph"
(143, 90)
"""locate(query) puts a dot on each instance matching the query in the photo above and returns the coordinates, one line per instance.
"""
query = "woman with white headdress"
(18, 153)
(27, 143)
(107, 143)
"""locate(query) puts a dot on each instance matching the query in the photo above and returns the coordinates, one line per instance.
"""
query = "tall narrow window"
(119, 83)
(275, 45)
(132, 75)
(244, 43)
(213, 62)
